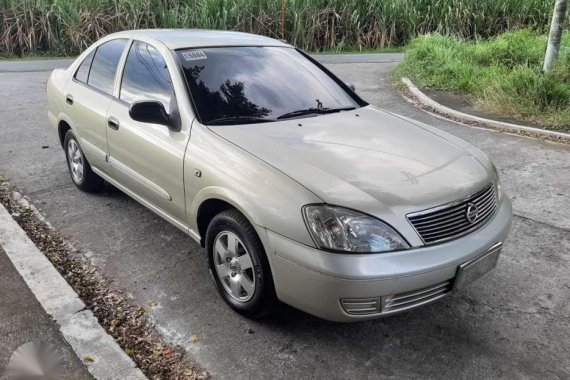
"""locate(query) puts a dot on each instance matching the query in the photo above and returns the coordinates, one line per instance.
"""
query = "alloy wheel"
(76, 161)
(234, 266)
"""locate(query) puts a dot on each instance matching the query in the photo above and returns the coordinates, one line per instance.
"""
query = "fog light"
(361, 306)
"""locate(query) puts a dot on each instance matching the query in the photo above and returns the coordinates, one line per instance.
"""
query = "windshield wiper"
(308, 111)
(243, 119)
(315, 111)
(228, 120)
(339, 109)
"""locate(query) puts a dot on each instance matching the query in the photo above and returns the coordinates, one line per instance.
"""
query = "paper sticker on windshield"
(194, 55)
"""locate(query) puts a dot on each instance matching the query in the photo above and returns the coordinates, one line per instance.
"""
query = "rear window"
(104, 66)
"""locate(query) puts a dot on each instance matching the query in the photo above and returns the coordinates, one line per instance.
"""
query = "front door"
(147, 158)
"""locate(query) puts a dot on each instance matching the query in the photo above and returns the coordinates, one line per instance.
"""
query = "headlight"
(490, 166)
(499, 190)
(341, 229)
(497, 182)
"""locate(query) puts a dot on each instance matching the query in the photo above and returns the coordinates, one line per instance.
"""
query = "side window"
(82, 72)
(104, 66)
(146, 76)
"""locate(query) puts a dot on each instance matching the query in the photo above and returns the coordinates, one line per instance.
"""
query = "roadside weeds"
(127, 322)
(502, 75)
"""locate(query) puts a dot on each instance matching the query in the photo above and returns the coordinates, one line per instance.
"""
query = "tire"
(262, 300)
(76, 162)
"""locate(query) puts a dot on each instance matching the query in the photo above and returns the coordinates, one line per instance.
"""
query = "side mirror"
(152, 111)
(351, 86)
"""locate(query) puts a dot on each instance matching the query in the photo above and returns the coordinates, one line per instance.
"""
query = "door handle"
(69, 99)
(113, 123)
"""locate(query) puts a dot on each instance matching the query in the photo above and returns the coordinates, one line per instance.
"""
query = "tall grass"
(68, 26)
(502, 74)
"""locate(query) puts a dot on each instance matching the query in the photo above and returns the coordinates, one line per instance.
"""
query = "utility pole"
(555, 35)
(283, 20)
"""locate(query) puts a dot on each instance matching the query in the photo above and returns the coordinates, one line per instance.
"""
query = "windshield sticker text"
(194, 55)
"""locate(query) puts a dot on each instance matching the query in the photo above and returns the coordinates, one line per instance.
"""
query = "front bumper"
(323, 283)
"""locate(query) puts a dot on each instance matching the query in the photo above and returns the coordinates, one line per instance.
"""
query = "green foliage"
(68, 26)
(502, 74)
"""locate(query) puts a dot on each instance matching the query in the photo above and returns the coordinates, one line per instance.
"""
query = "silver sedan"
(297, 188)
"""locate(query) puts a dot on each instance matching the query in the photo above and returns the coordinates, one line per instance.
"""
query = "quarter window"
(104, 66)
(83, 71)
(146, 76)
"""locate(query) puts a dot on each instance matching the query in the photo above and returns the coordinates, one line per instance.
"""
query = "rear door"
(88, 96)
(147, 158)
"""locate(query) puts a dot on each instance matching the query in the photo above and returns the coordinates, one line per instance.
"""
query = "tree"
(555, 35)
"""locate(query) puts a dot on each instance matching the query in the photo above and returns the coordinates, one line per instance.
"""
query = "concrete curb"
(500, 125)
(78, 325)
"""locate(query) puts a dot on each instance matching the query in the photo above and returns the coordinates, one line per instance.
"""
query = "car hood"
(366, 159)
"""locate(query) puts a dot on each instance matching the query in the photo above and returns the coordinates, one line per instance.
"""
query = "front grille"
(408, 300)
(451, 221)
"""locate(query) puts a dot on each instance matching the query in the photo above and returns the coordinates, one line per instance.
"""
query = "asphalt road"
(512, 324)
(16, 66)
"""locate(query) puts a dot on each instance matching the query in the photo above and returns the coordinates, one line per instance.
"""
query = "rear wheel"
(79, 169)
(238, 264)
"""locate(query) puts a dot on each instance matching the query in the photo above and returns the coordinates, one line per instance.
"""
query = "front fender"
(266, 196)
(226, 195)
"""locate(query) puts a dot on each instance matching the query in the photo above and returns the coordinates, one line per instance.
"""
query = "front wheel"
(79, 169)
(239, 266)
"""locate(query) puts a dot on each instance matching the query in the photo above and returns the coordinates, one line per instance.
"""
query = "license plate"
(475, 268)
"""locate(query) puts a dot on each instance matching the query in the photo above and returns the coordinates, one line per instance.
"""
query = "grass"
(66, 27)
(502, 74)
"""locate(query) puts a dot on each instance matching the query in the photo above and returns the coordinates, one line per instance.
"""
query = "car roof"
(190, 38)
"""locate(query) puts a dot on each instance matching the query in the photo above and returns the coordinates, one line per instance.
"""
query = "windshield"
(240, 85)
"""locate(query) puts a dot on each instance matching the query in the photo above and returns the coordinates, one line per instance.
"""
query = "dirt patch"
(462, 103)
(127, 322)
(410, 97)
